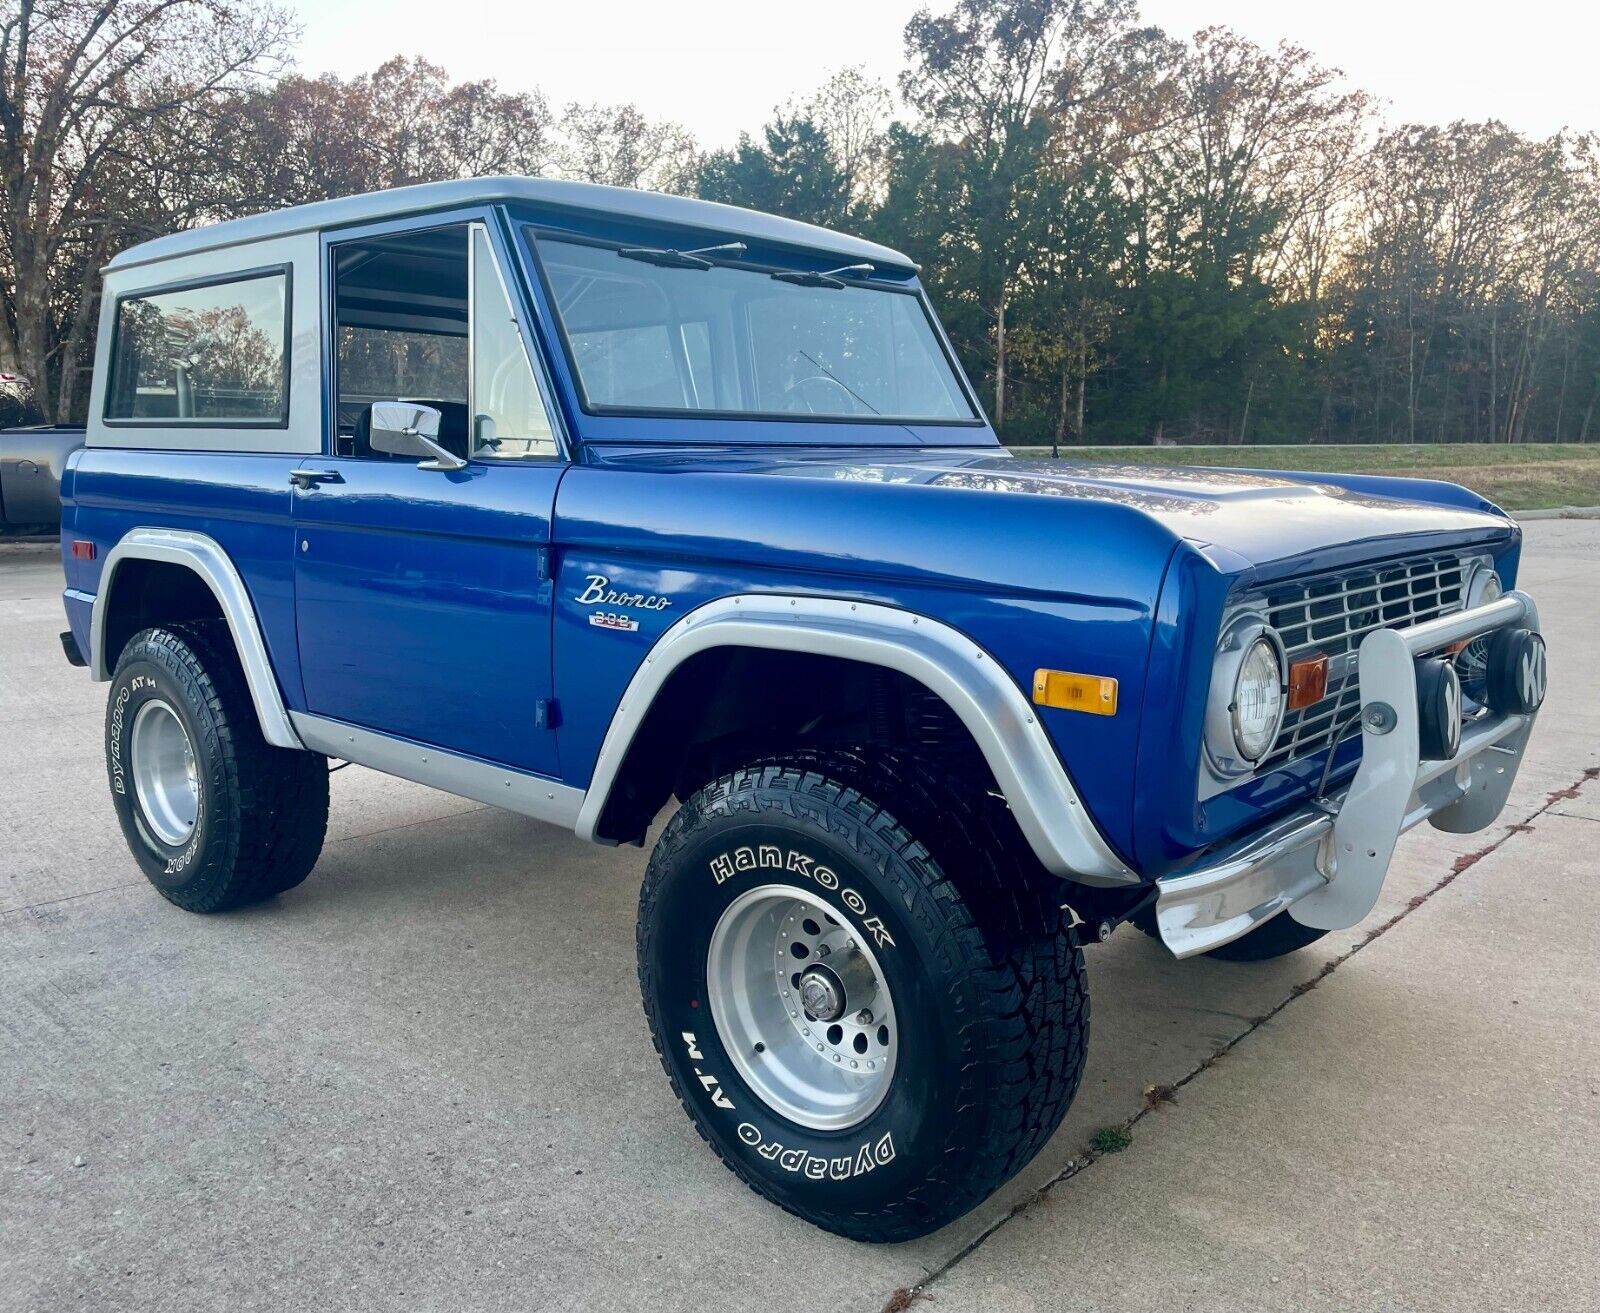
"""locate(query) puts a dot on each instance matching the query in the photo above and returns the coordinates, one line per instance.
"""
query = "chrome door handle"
(310, 478)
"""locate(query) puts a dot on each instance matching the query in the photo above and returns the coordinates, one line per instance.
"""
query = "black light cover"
(1515, 674)
(1438, 710)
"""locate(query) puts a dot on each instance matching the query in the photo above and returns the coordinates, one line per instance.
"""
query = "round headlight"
(1248, 699)
(1257, 708)
(1484, 586)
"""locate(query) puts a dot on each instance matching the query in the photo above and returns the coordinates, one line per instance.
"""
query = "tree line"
(1131, 236)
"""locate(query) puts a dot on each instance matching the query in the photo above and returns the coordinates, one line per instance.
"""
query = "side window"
(424, 316)
(401, 329)
(509, 419)
(209, 354)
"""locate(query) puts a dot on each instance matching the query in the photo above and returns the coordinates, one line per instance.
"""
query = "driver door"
(422, 597)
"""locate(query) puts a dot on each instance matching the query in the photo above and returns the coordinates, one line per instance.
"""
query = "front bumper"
(1326, 862)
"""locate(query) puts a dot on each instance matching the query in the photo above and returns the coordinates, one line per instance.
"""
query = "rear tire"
(968, 958)
(215, 816)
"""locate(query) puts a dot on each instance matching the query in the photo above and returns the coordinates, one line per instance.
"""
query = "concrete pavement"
(423, 1078)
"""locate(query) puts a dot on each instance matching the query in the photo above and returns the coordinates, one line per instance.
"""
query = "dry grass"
(1527, 476)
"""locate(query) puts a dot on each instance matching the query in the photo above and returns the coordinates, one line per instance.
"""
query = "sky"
(719, 67)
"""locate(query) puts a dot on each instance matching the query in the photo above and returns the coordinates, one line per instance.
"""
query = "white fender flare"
(972, 683)
(206, 558)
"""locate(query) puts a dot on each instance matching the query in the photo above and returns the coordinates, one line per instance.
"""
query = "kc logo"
(1452, 701)
(1532, 673)
(1517, 671)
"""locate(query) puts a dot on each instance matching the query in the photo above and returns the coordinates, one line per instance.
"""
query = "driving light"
(1258, 701)
(1438, 710)
(1516, 675)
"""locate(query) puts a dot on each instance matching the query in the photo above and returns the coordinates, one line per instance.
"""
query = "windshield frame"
(532, 231)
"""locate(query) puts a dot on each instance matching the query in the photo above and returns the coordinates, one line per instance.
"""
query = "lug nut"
(864, 1017)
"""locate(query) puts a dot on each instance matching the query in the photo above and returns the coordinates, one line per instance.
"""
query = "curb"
(1559, 513)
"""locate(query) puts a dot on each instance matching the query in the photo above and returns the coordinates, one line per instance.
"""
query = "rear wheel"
(214, 815)
(868, 1015)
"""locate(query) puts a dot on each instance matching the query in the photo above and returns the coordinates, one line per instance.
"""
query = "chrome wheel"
(802, 1007)
(165, 780)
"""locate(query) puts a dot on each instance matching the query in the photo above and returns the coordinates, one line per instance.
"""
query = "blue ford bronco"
(588, 503)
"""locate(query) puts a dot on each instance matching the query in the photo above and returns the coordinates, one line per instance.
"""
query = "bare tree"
(1260, 139)
(307, 139)
(1462, 234)
(84, 84)
(988, 76)
(617, 145)
(853, 112)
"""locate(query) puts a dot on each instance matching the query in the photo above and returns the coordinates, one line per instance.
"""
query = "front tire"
(1273, 939)
(1276, 938)
(948, 981)
(215, 816)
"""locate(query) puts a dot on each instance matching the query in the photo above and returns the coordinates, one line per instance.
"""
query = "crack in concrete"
(128, 884)
(903, 1298)
(68, 898)
(412, 825)
(1576, 816)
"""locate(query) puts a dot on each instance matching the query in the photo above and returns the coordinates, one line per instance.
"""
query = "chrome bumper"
(1326, 862)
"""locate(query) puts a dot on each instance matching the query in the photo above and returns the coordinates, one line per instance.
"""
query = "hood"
(1255, 517)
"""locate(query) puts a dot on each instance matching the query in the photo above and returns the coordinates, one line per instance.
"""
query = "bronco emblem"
(599, 592)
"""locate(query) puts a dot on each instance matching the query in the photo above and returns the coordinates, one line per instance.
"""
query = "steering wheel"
(798, 390)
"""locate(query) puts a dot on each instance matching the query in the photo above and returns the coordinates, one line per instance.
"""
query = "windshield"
(659, 332)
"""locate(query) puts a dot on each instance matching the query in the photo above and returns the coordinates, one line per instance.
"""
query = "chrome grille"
(1331, 614)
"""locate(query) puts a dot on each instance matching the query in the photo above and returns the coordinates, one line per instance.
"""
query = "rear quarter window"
(207, 353)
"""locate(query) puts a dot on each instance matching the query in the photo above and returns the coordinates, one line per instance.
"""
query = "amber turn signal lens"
(1308, 682)
(1096, 694)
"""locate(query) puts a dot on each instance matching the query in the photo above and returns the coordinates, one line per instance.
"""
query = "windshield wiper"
(828, 278)
(670, 259)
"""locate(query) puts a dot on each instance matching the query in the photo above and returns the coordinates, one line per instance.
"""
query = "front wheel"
(870, 1018)
(1272, 939)
(1276, 938)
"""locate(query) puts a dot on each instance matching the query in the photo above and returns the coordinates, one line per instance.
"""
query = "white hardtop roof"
(647, 206)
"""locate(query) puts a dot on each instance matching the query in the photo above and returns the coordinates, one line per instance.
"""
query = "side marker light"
(1094, 694)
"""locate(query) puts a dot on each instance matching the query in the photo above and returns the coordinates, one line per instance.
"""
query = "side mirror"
(405, 428)
(485, 434)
